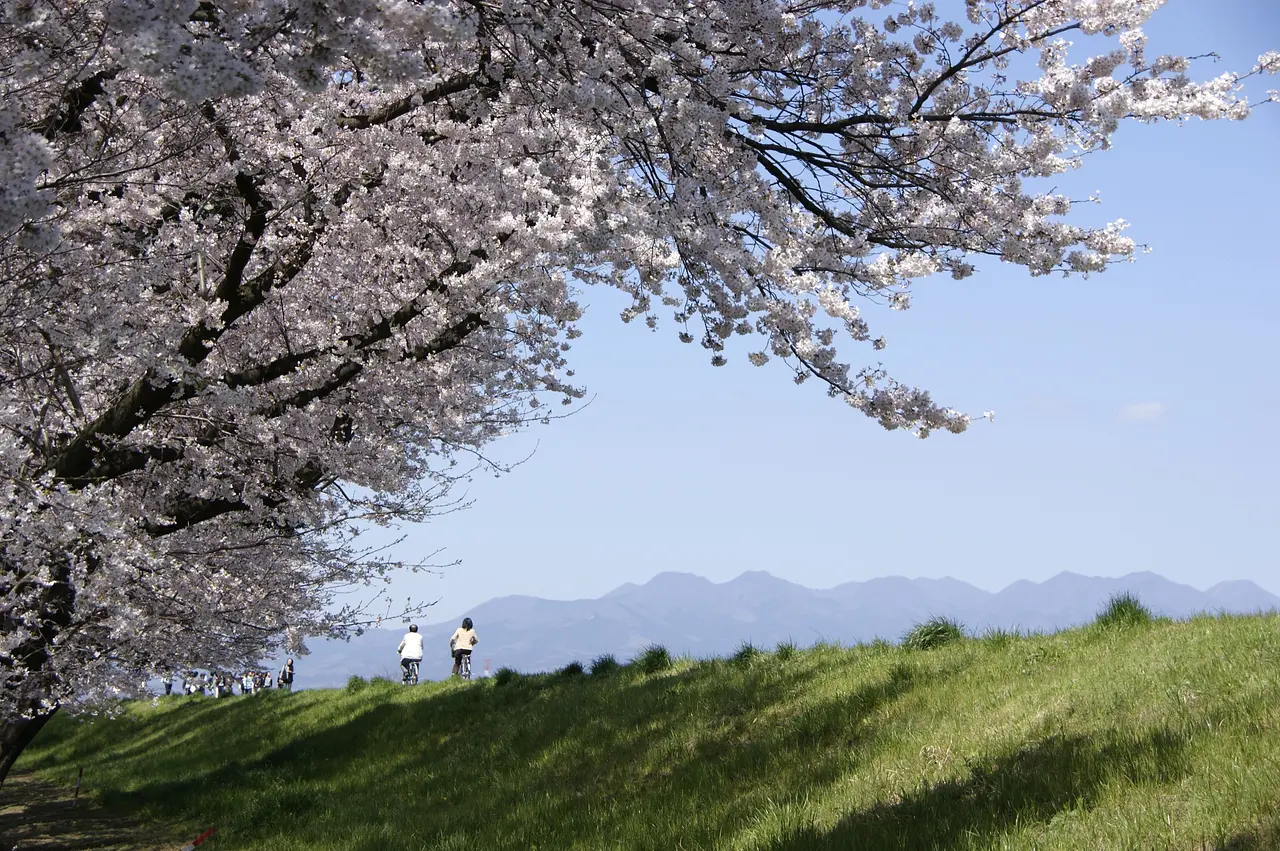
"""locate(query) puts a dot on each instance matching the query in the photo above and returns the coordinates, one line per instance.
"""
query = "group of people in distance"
(460, 644)
(221, 684)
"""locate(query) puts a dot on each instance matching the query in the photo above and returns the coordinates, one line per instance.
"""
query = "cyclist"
(410, 651)
(464, 638)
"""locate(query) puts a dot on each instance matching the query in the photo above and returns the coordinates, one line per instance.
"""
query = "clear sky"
(1135, 411)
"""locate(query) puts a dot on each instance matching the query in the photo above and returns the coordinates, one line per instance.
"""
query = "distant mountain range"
(690, 614)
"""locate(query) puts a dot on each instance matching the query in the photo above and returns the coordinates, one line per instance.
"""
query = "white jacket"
(411, 646)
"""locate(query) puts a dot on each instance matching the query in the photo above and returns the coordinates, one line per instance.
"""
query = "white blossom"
(276, 270)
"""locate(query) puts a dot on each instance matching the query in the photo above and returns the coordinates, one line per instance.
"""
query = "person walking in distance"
(410, 651)
(285, 680)
(464, 638)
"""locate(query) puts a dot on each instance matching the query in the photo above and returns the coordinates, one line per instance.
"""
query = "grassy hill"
(1151, 736)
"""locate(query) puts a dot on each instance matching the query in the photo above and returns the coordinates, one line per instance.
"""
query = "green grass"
(573, 669)
(654, 659)
(1123, 610)
(1165, 737)
(602, 666)
(934, 633)
(746, 654)
(998, 638)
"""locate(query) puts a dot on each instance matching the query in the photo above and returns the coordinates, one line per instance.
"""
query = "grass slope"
(1155, 736)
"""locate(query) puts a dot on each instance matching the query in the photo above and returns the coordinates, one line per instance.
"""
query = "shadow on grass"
(543, 761)
(1027, 786)
(186, 720)
(1264, 837)
(35, 814)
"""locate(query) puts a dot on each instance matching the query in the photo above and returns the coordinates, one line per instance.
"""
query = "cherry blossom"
(274, 271)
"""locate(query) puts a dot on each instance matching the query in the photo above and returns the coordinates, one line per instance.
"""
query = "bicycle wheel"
(466, 667)
(414, 668)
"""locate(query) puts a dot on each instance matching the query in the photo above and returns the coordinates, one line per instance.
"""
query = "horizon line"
(872, 579)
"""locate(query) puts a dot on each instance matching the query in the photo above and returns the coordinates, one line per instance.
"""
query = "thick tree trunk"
(16, 734)
(26, 669)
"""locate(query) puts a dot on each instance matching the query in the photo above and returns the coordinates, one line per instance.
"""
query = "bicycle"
(464, 669)
(410, 675)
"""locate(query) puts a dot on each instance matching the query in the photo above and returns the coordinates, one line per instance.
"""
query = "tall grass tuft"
(1123, 610)
(933, 633)
(356, 683)
(998, 637)
(602, 666)
(505, 676)
(573, 669)
(786, 651)
(653, 659)
(745, 654)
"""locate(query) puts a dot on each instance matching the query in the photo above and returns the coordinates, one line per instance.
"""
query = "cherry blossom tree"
(276, 269)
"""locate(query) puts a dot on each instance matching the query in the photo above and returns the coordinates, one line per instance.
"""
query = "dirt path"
(38, 816)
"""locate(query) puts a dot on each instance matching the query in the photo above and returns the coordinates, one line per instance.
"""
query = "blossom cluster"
(271, 269)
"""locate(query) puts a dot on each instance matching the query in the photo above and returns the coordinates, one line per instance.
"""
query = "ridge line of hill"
(694, 616)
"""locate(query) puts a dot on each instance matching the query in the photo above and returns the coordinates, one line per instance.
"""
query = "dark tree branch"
(74, 104)
(408, 103)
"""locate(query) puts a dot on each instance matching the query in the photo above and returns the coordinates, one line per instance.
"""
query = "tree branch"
(408, 103)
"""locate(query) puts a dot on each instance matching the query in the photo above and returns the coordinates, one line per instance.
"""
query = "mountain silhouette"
(692, 615)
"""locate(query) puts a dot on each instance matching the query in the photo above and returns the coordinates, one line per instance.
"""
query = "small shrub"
(573, 669)
(1123, 610)
(935, 632)
(786, 651)
(604, 665)
(653, 659)
(505, 676)
(745, 654)
(383, 682)
(356, 683)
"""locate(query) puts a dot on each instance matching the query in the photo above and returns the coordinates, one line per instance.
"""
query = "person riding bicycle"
(410, 651)
(464, 638)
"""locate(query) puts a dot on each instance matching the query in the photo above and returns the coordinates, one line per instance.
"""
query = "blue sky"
(1135, 410)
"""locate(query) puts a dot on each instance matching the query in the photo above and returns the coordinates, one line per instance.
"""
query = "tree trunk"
(27, 666)
(16, 734)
